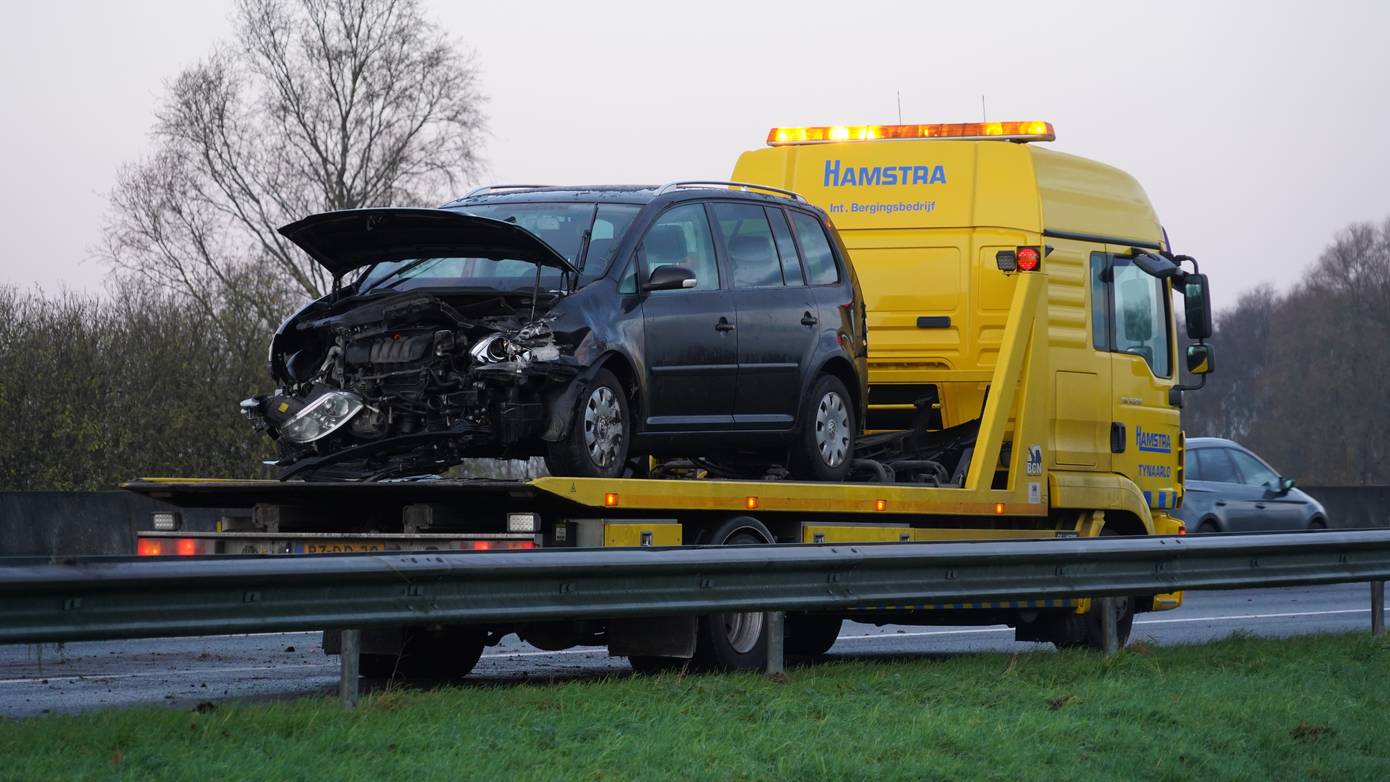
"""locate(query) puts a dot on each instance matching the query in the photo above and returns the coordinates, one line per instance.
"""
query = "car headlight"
(322, 417)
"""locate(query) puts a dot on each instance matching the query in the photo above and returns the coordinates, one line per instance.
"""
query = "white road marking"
(600, 651)
(191, 672)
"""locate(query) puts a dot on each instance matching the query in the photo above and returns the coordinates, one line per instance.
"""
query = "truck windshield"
(562, 226)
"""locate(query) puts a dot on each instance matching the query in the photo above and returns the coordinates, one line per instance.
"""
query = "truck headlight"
(322, 417)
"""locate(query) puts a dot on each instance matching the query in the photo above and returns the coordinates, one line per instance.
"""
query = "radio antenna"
(900, 107)
(984, 116)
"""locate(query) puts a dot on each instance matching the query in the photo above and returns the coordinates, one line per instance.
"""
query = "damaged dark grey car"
(512, 324)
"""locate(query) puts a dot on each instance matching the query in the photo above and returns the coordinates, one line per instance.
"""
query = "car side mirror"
(670, 277)
(1200, 359)
(1196, 297)
(1285, 485)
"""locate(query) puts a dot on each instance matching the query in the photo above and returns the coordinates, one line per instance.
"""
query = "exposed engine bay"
(408, 384)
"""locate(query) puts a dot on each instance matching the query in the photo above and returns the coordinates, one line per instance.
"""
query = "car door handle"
(1220, 503)
(1260, 505)
(724, 325)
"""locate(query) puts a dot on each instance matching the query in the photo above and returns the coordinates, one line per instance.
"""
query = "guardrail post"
(774, 624)
(1109, 631)
(1377, 608)
(348, 658)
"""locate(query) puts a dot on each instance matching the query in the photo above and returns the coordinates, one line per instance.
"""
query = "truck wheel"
(811, 635)
(599, 436)
(733, 642)
(449, 652)
(1075, 631)
(824, 448)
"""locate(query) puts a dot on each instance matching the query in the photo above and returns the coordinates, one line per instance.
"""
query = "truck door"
(1079, 333)
(1144, 426)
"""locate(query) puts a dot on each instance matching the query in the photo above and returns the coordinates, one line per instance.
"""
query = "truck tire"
(824, 447)
(736, 641)
(811, 635)
(448, 652)
(600, 435)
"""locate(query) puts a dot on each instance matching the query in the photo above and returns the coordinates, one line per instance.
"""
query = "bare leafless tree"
(317, 105)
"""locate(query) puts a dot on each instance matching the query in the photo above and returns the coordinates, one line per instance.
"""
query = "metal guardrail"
(126, 597)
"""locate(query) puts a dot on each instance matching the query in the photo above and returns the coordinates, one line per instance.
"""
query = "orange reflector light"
(1028, 259)
(999, 508)
(1182, 529)
(751, 503)
(496, 545)
(149, 548)
(610, 500)
(187, 547)
(880, 505)
(1033, 130)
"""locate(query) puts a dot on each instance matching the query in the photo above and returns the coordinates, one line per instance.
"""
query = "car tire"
(733, 641)
(600, 435)
(1318, 523)
(824, 448)
(1208, 527)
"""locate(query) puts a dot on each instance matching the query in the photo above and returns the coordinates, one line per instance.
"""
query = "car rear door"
(777, 319)
(690, 335)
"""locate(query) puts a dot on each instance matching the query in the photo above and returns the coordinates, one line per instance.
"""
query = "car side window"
(681, 236)
(1213, 465)
(1252, 470)
(786, 247)
(815, 249)
(748, 237)
(629, 279)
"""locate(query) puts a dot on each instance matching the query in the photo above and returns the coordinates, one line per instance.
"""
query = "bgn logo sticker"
(1034, 464)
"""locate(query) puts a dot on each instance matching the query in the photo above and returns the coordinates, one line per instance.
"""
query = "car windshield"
(561, 226)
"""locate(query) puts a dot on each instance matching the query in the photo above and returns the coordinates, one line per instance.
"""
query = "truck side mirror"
(1200, 359)
(1196, 296)
(670, 277)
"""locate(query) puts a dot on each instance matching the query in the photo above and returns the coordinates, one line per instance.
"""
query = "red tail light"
(186, 547)
(149, 548)
(1028, 259)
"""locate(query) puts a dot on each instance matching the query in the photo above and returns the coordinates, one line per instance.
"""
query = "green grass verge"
(1244, 708)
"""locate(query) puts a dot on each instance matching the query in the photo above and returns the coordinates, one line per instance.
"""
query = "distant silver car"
(1229, 489)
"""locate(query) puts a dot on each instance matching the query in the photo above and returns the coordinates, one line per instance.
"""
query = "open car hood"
(350, 239)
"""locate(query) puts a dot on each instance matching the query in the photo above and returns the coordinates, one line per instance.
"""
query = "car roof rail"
(669, 186)
(494, 188)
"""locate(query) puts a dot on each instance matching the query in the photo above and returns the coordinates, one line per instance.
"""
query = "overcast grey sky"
(1258, 129)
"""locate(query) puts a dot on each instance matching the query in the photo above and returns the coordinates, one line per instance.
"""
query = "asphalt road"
(183, 672)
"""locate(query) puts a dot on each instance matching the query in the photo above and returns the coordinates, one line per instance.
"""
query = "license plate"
(340, 548)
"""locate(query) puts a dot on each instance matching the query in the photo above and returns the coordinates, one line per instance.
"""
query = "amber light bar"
(1005, 131)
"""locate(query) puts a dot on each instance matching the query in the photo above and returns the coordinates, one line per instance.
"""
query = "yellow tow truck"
(1023, 370)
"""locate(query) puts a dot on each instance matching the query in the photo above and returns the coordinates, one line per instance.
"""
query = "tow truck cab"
(943, 221)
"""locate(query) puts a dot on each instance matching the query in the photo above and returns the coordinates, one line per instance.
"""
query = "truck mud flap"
(660, 636)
